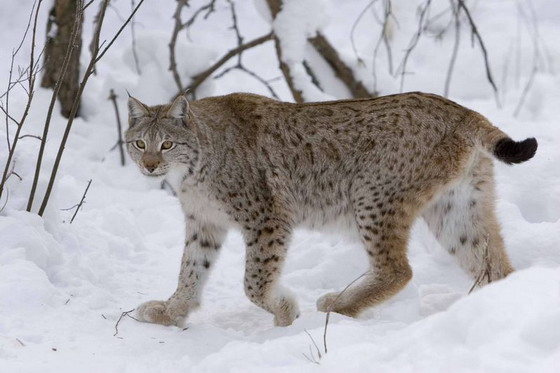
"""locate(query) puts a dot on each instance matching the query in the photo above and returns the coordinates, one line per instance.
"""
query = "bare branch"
(484, 272)
(316, 348)
(8, 116)
(32, 136)
(133, 34)
(115, 37)
(98, 23)
(341, 70)
(87, 5)
(476, 34)
(455, 51)
(532, 25)
(235, 28)
(329, 310)
(89, 70)
(353, 30)
(239, 65)
(123, 314)
(312, 75)
(79, 205)
(200, 78)
(32, 72)
(113, 98)
(177, 27)
(10, 82)
(384, 39)
(413, 42)
(166, 185)
(59, 82)
(6, 201)
(209, 8)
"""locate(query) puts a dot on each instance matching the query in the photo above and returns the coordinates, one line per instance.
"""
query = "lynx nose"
(150, 167)
(150, 163)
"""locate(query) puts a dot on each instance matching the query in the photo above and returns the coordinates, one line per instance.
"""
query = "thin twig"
(6, 201)
(98, 23)
(177, 27)
(46, 126)
(113, 98)
(455, 51)
(116, 36)
(235, 28)
(413, 42)
(166, 185)
(123, 314)
(330, 308)
(476, 34)
(14, 54)
(200, 78)
(210, 7)
(353, 30)
(312, 75)
(16, 175)
(485, 271)
(87, 5)
(532, 25)
(32, 136)
(32, 73)
(79, 205)
(316, 361)
(239, 65)
(383, 38)
(133, 34)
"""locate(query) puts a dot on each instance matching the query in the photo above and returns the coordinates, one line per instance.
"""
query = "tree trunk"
(59, 34)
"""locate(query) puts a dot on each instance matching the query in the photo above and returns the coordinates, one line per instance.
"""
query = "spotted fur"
(370, 166)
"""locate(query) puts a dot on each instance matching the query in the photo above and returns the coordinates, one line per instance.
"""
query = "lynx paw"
(325, 302)
(158, 312)
(288, 311)
(332, 302)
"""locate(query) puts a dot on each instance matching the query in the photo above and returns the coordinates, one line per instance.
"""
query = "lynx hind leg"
(463, 219)
(384, 227)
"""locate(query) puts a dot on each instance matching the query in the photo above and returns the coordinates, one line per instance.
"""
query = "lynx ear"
(179, 109)
(136, 109)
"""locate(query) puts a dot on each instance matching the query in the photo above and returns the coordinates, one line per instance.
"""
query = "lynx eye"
(166, 145)
(140, 144)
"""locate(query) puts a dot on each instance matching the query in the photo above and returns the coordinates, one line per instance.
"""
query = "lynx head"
(162, 136)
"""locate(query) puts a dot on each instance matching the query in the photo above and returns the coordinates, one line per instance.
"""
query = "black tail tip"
(510, 151)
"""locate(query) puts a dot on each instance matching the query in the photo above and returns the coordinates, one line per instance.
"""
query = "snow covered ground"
(64, 286)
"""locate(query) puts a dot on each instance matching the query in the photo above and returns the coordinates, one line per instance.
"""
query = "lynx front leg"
(201, 249)
(266, 252)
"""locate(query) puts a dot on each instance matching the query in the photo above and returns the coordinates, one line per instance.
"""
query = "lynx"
(369, 166)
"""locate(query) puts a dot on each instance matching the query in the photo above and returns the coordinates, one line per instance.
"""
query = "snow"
(64, 286)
